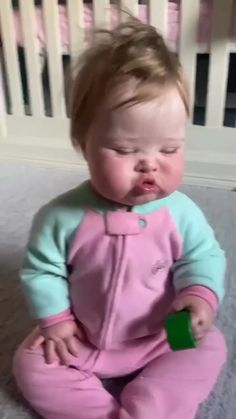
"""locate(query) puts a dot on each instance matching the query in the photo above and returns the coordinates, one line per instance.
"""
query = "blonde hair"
(133, 50)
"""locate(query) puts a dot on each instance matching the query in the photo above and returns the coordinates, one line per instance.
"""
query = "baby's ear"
(82, 149)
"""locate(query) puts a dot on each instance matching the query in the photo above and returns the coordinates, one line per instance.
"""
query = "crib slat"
(54, 54)
(100, 11)
(3, 126)
(219, 62)
(190, 11)
(130, 6)
(11, 58)
(32, 50)
(75, 12)
(158, 15)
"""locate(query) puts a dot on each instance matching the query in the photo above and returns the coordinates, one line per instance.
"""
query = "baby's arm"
(199, 273)
(45, 285)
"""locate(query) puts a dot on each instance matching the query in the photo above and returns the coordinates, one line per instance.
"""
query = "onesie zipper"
(116, 280)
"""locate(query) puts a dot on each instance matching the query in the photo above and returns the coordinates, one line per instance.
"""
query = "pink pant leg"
(59, 392)
(173, 385)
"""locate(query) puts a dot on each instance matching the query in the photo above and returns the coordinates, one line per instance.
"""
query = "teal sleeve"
(202, 261)
(44, 272)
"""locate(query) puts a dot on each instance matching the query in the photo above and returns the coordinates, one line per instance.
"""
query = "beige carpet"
(23, 189)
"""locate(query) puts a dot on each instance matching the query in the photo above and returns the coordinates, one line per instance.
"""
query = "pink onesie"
(118, 273)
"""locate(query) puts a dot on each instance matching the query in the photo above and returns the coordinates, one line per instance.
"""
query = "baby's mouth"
(145, 185)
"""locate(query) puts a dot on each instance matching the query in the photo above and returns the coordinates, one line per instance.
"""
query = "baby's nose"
(146, 165)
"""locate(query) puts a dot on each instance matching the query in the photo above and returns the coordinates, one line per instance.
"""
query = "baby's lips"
(146, 185)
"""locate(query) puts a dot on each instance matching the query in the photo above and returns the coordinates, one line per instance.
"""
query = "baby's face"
(136, 154)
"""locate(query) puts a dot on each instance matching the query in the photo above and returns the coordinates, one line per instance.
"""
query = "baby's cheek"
(116, 173)
(178, 169)
(174, 172)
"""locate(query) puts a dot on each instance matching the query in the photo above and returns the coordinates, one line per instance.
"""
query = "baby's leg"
(59, 392)
(173, 385)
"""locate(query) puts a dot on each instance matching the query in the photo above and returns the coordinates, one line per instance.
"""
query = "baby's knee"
(213, 353)
(28, 370)
(21, 369)
(215, 343)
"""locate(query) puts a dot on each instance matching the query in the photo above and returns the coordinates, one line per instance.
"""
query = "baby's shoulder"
(184, 210)
(67, 209)
(180, 202)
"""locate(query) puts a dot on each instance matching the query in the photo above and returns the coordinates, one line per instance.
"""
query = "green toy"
(179, 331)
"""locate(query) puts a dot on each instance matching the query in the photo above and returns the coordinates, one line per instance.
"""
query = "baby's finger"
(72, 346)
(199, 330)
(199, 336)
(79, 334)
(179, 305)
(32, 337)
(196, 321)
(49, 351)
(63, 352)
(195, 325)
(36, 342)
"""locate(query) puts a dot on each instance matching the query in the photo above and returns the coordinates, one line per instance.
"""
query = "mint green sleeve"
(44, 275)
(44, 271)
(202, 261)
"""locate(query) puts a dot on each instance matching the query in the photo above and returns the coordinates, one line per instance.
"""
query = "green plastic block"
(179, 331)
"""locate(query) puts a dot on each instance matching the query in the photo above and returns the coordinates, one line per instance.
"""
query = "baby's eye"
(171, 150)
(123, 151)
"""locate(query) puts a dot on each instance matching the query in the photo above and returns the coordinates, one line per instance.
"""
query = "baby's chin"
(132, 199)
(143, 199)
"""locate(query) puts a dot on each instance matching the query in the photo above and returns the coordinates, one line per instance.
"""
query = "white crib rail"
(11, 59)
(188, 42)
(130, 6)
(27, 11)
(219, 62)
(3, 127)
(100, 12)
(76, 30)
(158, 15)
(54, 52)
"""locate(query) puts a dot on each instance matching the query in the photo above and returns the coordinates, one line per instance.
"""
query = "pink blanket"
(204, 27)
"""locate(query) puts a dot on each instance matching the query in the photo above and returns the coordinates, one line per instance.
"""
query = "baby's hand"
(201, 313)
(60, 340)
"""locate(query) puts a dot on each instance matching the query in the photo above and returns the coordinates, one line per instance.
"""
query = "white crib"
(38, 136)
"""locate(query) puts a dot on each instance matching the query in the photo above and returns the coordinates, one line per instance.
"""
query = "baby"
(108, 260)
